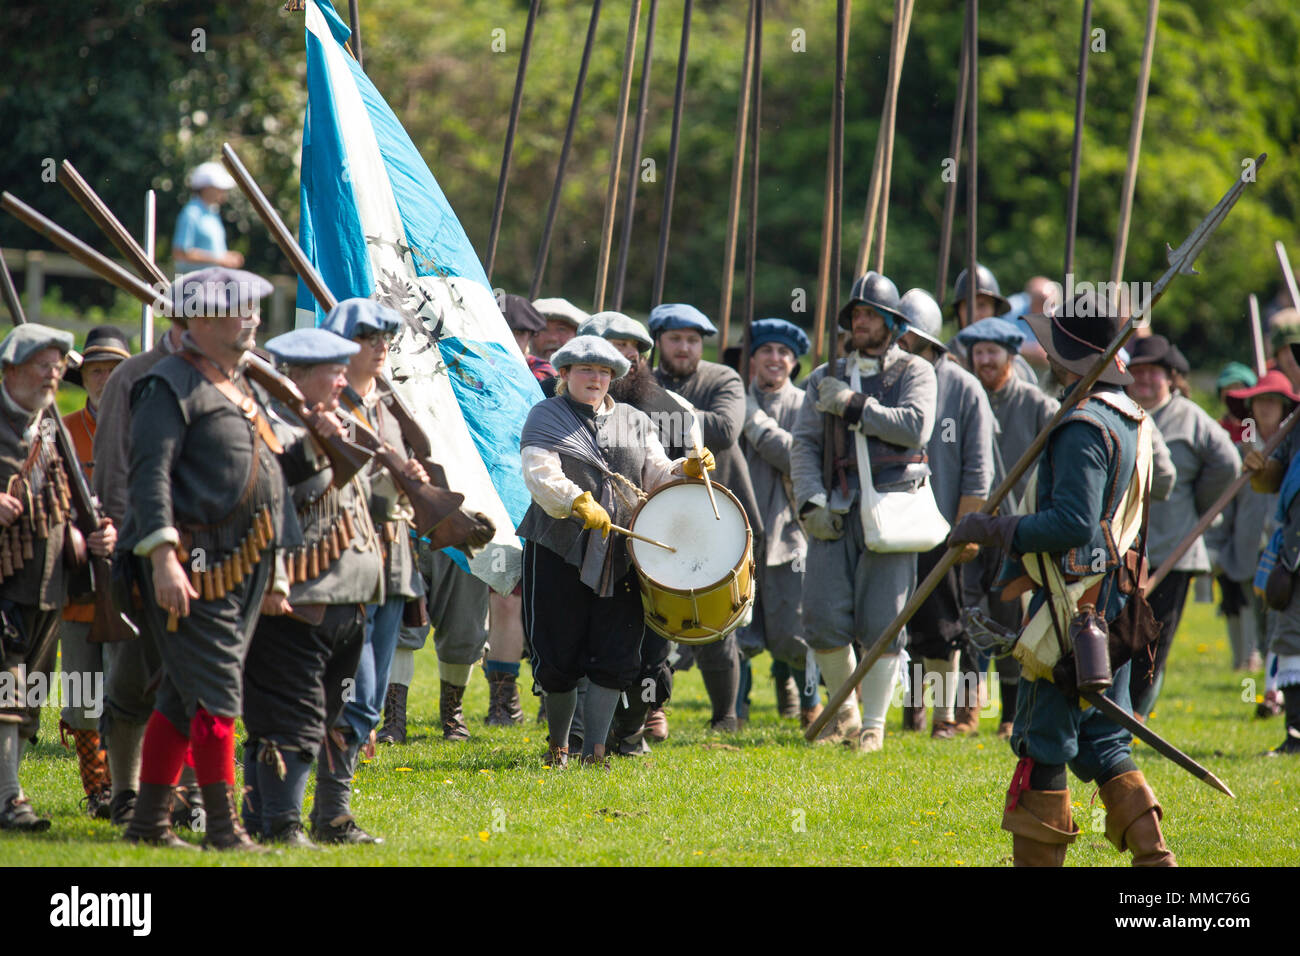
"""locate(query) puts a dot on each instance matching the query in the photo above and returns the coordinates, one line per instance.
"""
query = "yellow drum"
(701, 592)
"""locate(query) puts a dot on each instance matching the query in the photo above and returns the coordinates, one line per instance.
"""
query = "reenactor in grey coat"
(718, 396)
(205, 515)
(1206, 463)
(130, 666)
(299, 661)
(851, 594)
(773, 407)
(1243, 529)
(961, 456)
(34, 514)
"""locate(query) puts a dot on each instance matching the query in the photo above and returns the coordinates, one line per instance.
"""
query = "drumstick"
(708, 484)
(641, 537)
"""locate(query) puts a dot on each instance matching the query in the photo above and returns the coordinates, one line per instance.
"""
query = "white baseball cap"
(210, 174)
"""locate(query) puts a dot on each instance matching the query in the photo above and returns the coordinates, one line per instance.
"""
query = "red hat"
(1273, 382)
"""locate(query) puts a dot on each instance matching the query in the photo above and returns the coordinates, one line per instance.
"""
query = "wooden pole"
(670, 180)
(1080, 100)
(634, 166)
(842, 16)
(150, 239)
(1134, 144)
(507, 155)
(954, 154)
(544, 249)
(972, 150)
(824, 259)
(616, 157)
(737, 178)
(354, 17)
(902, 8)
(1287, 274)
(751, 243)
(1257, 337)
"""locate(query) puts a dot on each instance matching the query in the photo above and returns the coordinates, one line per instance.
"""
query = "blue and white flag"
(376, 224)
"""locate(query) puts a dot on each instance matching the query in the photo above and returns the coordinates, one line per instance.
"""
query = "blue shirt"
(199, 226)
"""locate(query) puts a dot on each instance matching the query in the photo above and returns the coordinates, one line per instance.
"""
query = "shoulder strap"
(246, 404)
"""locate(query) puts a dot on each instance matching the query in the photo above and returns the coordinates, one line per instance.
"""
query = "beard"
(866, 341)
(684, 370)
(634, 387)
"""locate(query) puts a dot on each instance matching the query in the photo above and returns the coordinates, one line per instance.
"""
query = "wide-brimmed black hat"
(1076, 341)
(104, 343)
(1157, 350)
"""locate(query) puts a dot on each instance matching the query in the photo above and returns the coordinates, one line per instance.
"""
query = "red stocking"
(163, 752)
(212, 739)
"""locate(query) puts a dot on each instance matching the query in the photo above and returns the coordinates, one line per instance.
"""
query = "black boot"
(331, 817)
(627, 733)
(722, 687)
(223, 831)
(151, 819)
(450, 698)
(394, 729)
(187, 808)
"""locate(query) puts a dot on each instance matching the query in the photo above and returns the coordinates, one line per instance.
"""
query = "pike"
(473, 530)
(110, 625)
(1181, 262)
(989, 635)
(1287, 274)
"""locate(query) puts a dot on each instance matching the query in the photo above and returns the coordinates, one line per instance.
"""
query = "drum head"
(707, 548)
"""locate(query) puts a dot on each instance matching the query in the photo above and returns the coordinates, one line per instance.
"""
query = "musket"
(439, 515)
(456, 521)
(989, 635)
(1220, 503)
(95, 261)
(110, 625)
(110, 225)
(346, 458)
(1181, 262)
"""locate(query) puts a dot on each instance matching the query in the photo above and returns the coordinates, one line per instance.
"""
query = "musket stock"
(346, 457)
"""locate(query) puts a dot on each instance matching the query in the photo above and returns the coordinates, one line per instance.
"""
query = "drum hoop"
(746, 554)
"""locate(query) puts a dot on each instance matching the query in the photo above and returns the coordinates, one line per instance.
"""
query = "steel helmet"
(880, 293)
(922, 315)
(986, 283)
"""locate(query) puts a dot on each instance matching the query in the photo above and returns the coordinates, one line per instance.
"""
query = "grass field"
(760, 797)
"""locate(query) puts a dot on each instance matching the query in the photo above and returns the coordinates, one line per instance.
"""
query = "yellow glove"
(592, 513)
(691, 467)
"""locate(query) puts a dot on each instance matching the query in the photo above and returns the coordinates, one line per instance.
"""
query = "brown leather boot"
(504, 709)
(450, 697)
(1041, 827)
(1133, 819)
(966, 721)
(151, 819)
(913, 718)
(394, 729)
(222, 829)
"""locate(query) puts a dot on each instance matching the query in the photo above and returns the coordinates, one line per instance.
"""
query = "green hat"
(1235, 375)
(28, 339)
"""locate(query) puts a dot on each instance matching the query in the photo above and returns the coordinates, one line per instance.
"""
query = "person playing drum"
(585, 460)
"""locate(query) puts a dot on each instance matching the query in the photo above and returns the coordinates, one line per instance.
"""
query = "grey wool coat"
(767, 445)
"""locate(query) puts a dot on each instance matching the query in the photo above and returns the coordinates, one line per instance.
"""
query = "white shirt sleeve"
(547, 483)
(658, 468)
